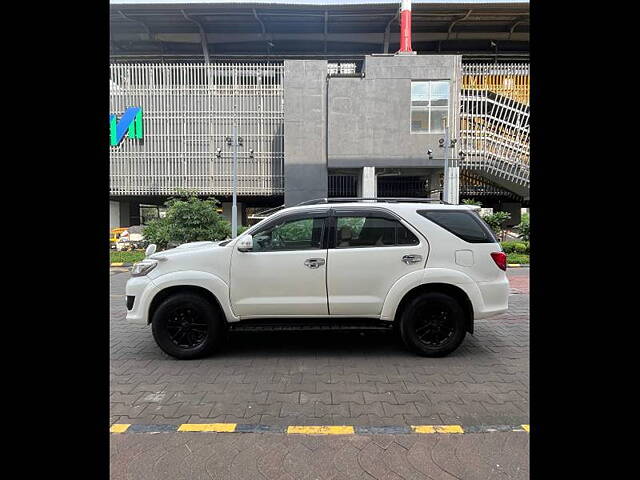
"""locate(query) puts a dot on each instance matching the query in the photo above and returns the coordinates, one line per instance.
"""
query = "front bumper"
(141, 288)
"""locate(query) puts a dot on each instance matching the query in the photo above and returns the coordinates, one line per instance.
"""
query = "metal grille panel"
(188, 113)
(495, 120)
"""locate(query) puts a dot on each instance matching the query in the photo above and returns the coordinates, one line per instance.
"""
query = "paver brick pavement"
(326, 378)
(220, 456)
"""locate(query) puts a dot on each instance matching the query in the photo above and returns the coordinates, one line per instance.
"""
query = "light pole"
(234, 141)
(446, 143)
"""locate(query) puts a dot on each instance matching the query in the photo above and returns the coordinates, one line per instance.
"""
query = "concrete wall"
(114, 215)
(370, 117)
(305, 154)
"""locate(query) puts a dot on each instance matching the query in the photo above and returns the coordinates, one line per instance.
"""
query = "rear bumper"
(493, 298)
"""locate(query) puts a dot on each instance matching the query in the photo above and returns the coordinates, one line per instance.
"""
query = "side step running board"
(307, 324)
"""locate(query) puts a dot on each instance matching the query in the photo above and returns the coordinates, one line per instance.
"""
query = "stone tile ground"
(327, 378)
(194, 456)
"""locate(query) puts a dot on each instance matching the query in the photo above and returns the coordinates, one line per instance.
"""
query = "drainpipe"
(405, 27)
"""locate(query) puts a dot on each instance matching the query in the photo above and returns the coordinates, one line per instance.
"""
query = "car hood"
(185, 248)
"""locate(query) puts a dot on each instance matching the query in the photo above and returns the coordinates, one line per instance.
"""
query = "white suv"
(428, 269)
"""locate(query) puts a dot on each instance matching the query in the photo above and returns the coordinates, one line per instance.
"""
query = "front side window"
(372, 232)
(297, 234)
(429, 105)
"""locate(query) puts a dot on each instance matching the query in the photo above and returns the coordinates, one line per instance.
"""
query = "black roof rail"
(317, 201)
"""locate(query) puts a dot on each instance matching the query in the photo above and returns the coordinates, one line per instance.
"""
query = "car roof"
(393, 206)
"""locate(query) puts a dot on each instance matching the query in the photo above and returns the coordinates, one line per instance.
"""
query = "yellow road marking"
(437, 428)
(525, 427)
(207, 427)
(119, 427)
(321, 430)
(117, 264)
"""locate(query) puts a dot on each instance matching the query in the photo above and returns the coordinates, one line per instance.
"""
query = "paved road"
(323, 379)
(251, 456)
(327, 379)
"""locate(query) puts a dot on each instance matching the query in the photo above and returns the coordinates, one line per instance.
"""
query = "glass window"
(429, 105)
(463, 224)
(298, 234)
(372, 232)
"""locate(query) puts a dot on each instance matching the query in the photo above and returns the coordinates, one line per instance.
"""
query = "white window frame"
(428, 107)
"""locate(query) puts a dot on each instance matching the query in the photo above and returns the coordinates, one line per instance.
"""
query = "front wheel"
(186, 326)
(433, 324)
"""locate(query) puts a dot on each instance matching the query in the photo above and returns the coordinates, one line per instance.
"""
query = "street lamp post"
(446, 184)
(448, 193)
(234, 141)
(234, 207)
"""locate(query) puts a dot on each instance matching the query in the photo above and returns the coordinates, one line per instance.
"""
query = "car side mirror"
(245, 244)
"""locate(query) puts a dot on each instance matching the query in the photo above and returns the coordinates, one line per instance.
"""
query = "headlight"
(142, 268)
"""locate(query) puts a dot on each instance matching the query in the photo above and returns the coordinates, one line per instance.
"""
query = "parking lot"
(332, 378)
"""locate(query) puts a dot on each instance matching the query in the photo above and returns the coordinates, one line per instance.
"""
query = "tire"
(433, 324)
(187, 326)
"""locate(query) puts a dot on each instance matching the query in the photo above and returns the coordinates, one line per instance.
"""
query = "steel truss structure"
(494, 117)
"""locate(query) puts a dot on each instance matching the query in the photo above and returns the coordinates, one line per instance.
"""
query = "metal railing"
(319, 201)
(188, 112)
(494, 120)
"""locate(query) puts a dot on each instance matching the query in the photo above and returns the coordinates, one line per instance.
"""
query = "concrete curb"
(314, 430)
(121, 264)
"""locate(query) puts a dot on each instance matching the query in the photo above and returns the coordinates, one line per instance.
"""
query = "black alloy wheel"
(433, 324)
(185, 329)
(187, 325)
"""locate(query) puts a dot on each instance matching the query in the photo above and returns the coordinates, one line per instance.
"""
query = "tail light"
(501, 260)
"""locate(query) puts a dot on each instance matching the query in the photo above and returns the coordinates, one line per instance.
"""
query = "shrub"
(188, 219)
(523, 228)
(496, 222)
(515, 247)
(471, 201)
(517, 258)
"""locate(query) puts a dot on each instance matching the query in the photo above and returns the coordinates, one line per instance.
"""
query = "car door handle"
(409, 259)
(314, 262)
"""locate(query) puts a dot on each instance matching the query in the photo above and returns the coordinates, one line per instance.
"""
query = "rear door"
(370, 250)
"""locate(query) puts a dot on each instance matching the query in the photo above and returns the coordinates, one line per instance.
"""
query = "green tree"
(523, 228)
(188, 219)
(496, 222)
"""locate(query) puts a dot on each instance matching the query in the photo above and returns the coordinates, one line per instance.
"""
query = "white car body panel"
(355, 282)
(278, 283)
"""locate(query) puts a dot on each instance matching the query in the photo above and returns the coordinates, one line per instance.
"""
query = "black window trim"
(369, 212)
(316, 213)
(476, 218)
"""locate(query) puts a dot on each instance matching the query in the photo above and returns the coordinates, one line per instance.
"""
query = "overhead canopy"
(172, 30)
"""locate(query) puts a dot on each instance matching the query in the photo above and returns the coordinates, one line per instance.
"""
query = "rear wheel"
(186, 325)
(433, 324)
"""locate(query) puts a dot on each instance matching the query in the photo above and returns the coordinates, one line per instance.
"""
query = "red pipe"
(405, 27)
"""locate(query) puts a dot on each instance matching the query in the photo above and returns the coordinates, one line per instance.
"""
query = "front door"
(372, 250)
(285, 274)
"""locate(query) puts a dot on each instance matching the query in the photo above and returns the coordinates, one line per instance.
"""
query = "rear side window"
(463, 224)
(372, 232)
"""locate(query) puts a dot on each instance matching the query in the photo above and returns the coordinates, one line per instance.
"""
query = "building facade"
(316, 127)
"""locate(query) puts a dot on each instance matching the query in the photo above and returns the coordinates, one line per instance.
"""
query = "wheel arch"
(166, 292)
(446, 288)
